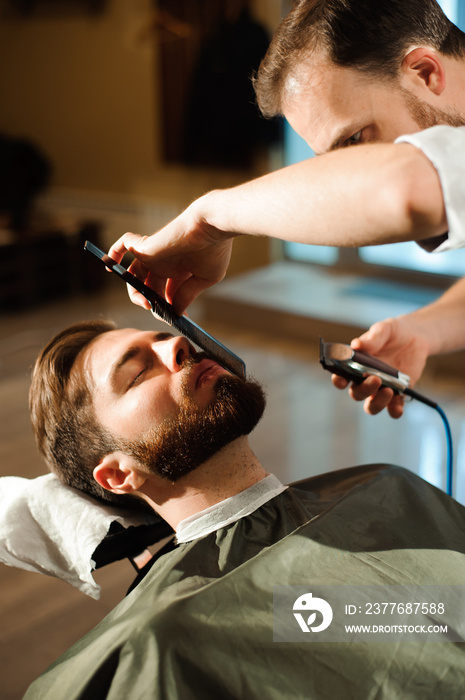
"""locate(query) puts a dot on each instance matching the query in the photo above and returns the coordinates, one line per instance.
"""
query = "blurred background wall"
(93, 85)
(82, 85)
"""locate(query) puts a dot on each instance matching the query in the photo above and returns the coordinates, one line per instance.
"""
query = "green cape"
(200, 624)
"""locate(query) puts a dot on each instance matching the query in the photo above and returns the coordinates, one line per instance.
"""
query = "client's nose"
(175, 352)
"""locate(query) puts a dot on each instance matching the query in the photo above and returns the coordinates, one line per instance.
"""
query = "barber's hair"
(371, 36)
(68, 435)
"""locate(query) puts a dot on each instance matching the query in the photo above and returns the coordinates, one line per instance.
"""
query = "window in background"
(406, 256)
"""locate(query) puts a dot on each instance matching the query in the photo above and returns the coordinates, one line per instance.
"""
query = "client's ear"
(118, 473)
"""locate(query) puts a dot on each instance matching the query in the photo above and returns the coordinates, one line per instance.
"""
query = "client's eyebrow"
(130, 354)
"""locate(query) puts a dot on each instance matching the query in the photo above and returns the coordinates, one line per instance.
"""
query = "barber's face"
(138, 379)
(333, 107)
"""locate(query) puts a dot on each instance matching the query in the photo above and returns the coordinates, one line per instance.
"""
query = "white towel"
(53, 529)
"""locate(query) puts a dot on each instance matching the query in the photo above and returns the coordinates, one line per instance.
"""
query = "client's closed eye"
(138, 377)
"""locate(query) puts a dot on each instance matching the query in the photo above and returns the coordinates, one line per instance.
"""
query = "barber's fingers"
(339, 382)
(155, 282)
(358, 391)
(369, 387)
(377, 397)
(396, 406)
(117, 252)
(128, 241)
(375, 338)
(181, 293)
(385, 398)
(136, 297)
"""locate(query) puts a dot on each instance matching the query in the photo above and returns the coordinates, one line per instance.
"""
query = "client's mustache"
(189, 362)
(187, 367)
(192, 360)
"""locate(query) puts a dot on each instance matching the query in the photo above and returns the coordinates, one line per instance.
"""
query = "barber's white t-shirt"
(445, 148)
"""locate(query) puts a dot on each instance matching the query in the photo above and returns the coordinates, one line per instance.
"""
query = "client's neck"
(230, 471)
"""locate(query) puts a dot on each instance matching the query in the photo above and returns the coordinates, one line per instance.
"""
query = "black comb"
(163, 310)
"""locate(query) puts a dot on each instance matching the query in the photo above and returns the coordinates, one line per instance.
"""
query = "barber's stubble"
(182, 443)
(426, 115)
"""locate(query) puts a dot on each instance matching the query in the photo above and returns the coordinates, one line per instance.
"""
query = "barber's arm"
(406, 342)
(362, 195)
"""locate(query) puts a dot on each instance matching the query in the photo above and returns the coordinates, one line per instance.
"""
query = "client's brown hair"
(68, 435)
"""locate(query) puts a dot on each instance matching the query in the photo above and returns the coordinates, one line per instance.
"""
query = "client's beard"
(182, 443)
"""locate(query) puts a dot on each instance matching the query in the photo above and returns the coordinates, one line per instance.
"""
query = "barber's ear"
(422, 67)
(117, 473)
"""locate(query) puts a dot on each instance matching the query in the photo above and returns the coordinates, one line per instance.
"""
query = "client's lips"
(206, 371)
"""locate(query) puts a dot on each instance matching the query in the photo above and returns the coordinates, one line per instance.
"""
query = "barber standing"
(386, 76)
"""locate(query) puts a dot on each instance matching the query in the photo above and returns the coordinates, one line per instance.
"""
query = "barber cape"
(200, 624)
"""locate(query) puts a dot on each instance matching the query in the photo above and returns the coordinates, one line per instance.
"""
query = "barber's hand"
(395, 342)
(178, 262)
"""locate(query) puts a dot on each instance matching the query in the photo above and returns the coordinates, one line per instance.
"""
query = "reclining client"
(141, 419)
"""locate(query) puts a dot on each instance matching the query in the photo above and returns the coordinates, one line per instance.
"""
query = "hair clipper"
(354, 366)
